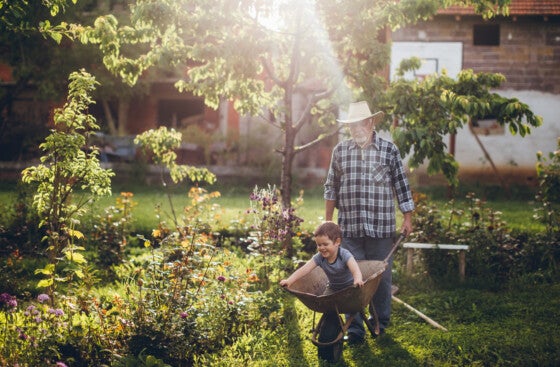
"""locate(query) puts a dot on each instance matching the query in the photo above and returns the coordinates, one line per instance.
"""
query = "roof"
(516, 7)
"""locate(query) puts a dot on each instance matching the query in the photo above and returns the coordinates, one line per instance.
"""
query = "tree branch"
(319, 139)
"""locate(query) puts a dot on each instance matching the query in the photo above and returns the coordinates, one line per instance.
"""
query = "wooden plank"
(411, 246)
(435, 246)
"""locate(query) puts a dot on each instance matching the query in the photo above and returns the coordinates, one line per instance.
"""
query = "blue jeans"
(369, 248)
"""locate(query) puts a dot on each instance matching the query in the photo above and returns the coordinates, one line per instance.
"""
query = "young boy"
(338, 263)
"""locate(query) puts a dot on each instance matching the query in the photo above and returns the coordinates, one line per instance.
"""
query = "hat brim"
(376, 116)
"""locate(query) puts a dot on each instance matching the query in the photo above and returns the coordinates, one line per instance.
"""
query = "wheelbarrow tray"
(309, 290)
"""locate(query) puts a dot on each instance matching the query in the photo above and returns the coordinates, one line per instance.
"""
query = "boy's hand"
(358, 283)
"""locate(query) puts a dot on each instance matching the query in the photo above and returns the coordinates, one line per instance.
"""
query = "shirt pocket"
(380, 174)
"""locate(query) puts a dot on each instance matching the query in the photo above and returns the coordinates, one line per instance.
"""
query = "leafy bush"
(111, 232)
(548, 173)
(496, 252)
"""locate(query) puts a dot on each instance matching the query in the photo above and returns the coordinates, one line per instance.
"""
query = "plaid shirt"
(363, 183)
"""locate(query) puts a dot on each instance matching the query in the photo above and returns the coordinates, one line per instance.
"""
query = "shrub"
(496, 253)
(37, 333)
(548, 173)
(111, 231)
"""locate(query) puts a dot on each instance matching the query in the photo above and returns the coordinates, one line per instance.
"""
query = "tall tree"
(264, 55)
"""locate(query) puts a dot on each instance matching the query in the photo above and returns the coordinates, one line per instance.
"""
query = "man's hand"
(407, 224)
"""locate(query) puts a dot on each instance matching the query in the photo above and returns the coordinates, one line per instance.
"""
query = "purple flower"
(56, 312)
(183, 315)
(21, 334)
(43, 297)
(61, 364)
(9, 300)
(222, 278)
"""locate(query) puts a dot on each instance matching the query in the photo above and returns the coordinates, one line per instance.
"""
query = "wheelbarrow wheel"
(329, 329)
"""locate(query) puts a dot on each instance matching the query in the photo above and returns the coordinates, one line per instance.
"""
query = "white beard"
(360, 139)
(361, 136)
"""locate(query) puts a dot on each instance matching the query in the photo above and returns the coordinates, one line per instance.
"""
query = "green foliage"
(36, 331)
(142, 360)
(496, 251)
(548, 173)
(66, 167)
(278, 48)
(188, 298)
(111, 232)
(161, 143)
(437, 106)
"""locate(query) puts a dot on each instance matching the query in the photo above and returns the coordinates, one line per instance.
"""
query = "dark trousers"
(368, 248)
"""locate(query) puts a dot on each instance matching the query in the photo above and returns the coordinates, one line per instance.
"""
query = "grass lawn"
(509, 328)
(234, 201)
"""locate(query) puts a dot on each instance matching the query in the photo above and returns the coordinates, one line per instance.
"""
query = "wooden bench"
(411, 246)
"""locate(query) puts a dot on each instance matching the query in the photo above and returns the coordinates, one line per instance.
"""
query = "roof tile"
(516, 7)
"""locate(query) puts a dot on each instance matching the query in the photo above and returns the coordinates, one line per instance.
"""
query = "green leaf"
(56, 36)
(75, 257)
(45, 283)
(47, 270)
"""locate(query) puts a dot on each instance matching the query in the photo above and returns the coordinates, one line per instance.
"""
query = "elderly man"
(366, 173)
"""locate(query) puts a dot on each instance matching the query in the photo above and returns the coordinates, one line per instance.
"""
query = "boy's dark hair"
(329, 229)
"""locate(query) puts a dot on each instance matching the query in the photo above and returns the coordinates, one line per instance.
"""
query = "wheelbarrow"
(328, 333)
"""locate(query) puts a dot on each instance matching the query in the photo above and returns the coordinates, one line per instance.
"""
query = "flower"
(9, 300)
(43, 297)
(56, 312)
(253, 278)
(60, 364)
(183, 315)
(222, 278)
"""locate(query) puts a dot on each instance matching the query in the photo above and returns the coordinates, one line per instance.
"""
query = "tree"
(428, 110)
(232, 51)
(42, 64)
(264, 55)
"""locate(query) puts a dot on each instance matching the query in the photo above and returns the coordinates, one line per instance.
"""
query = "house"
(525, 48)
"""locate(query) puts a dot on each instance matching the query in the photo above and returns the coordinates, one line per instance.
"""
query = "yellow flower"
(156, 233)
(253, 278)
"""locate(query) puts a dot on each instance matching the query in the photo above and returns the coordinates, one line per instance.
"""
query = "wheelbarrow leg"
(330, 332)
(372, 322)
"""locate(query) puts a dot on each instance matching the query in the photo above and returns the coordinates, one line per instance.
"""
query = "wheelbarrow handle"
(401, 237)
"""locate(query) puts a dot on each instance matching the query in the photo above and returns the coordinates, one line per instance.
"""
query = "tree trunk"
(124, 104)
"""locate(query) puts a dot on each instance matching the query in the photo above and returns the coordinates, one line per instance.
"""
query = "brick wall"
(528, 54)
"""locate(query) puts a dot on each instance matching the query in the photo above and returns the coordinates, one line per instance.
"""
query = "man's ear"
(338, 241)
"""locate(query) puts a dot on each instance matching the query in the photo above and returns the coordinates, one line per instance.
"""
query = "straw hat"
(359, 111)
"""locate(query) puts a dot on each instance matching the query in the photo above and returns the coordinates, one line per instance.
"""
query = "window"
(486, 35)
(487, 125)
(179, 113)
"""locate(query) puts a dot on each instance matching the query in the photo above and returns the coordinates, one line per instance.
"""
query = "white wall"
(513, 150)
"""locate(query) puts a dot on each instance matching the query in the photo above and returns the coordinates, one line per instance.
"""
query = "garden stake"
(429, 320)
